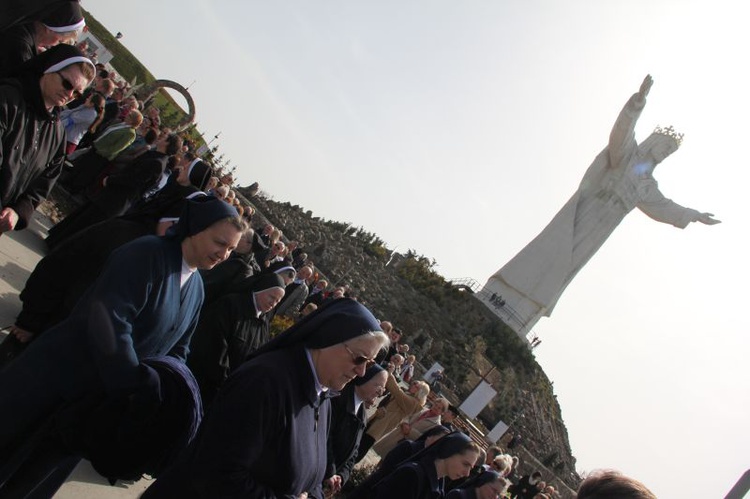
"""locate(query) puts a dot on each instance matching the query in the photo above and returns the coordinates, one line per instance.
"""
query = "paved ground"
(19, 253)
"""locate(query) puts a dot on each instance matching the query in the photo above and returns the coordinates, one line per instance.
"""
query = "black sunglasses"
(68, 86)
(359, 359)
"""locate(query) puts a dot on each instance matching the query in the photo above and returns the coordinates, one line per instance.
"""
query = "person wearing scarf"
(145, 303)
(266, 432)
(451, 457)
(57, 24)
(348, 418)
(230, 329)
(32, 139)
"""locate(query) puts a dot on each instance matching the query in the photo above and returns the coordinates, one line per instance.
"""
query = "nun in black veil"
(230, 329)
(265, 435)
(487, 485)
(422, 477)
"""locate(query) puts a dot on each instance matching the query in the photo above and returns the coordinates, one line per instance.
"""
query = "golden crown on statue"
(670, 132)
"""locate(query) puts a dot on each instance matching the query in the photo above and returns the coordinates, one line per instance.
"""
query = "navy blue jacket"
(136, 309)
(411, 481)
(264, 436)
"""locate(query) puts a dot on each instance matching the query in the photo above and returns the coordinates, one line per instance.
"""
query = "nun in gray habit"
(265, 434)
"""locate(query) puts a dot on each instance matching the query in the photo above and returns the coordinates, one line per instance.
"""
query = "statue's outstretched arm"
(653, 203)
(622, 138)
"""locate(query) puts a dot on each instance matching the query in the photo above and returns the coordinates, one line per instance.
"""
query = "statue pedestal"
(517, 311)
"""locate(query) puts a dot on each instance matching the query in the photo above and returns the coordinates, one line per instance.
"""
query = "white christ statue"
(619, 179)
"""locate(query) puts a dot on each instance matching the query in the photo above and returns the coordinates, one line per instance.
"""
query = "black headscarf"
(450, 445)
(63, 17)
(339, 321)
(432, 432)
(199, 214)
(264, 282)
(485, 477)
(13, 12)
(369, 374)
(54, 59)
(199, 173)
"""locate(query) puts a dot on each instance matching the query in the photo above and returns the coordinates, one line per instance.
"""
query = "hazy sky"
(459, 129)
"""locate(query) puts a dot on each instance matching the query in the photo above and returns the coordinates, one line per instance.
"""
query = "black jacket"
(348, 428)
(32, 147)
(17, 46)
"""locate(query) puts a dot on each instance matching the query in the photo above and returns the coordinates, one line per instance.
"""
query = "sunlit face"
(339, 364)
(459, 465)
(47, 38)
(288, 276)
(63, 86)
(268, 298)
(305, 273)
(277, 248)
(373, 389)
(212, 246)
(437, 409)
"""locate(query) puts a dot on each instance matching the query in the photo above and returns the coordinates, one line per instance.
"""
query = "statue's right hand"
(707, 218)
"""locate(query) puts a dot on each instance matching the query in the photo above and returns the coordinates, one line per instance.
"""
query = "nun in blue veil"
(144, 304)
(265, 434)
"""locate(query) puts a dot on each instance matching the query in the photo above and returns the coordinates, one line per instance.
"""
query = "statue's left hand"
(707, 218)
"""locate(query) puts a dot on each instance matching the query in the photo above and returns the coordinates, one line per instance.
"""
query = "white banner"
(478, 399)
(497, 432)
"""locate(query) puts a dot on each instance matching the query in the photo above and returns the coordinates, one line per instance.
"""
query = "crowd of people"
(144, 343)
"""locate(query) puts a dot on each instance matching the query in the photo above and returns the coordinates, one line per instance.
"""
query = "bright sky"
(459, 129)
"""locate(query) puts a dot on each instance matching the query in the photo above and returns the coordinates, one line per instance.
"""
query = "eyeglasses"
(68, 86)
(359, 359)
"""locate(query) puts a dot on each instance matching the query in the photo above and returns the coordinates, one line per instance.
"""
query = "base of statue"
(516, 310)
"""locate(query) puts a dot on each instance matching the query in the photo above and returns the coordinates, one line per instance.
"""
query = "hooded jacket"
(32, 147)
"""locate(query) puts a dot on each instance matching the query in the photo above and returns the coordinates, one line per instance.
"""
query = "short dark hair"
(610, 484)
(174, 144)
(151, 136)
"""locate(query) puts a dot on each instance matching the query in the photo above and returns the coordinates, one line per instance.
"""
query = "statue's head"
(660, 144)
